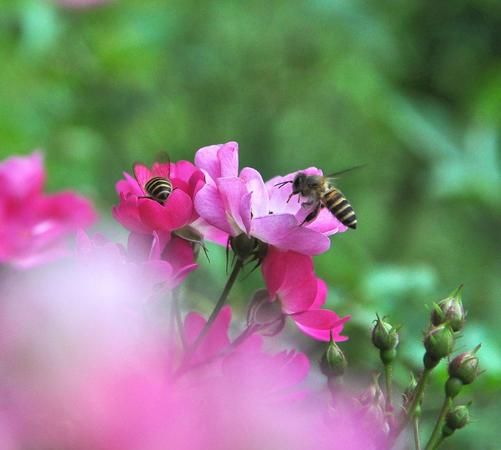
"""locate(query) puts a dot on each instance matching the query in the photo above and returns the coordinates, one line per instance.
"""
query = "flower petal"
(210, 207)
(233, 192)
(174, 214)
(318, 323)
(142, 174)
(255, 185)
(283, 231)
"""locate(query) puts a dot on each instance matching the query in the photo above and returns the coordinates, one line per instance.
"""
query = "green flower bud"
(248, 248)
(458, 417)
(450, 310)
(465, 366)
(453, 387)
(265, 314)
(439, 341)
(384, 335)
(333, 362)
(409, 392)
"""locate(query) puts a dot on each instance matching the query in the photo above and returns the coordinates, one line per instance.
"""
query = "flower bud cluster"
(385, 338)
(450, 310)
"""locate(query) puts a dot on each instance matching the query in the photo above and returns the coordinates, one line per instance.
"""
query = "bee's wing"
(161, 169)
(142, 174)
(341, 172)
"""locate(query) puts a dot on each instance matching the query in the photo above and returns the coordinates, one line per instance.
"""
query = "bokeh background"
(410, 89)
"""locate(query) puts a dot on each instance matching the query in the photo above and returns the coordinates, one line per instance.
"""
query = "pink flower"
(291, 281)
(145, 215)
(242, 203)
(148, 259)
(34, 225)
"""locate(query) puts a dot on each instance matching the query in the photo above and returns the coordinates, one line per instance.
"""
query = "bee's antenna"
(283, 183)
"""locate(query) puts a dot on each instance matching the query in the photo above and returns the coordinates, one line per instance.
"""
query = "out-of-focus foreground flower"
(242, 203)
(85, 365)
(34, 225)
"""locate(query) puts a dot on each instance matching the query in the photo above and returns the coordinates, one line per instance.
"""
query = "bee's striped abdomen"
(337, 204)
(158, 188)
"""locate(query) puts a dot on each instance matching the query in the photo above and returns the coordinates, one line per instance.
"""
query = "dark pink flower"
(291, 281)
(144, 215)
(34, 225)
(242, 203)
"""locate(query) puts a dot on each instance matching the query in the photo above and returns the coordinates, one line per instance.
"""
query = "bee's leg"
(313, 214)
(290, 196)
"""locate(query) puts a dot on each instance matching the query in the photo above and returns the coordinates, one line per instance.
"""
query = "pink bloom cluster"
(84, 367)
(34, 225)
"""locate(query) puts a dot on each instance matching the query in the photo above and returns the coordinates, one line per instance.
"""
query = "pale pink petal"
(256, 186)
(157, 272)
(210, 207)
(325, 223)
(210, 233)
(236, 203)
(207, 159)
(283, 232)
(228, 157)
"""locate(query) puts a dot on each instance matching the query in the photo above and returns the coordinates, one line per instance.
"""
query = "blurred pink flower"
(242, 203)
(85, 367)
(291, 281)
(146, 258)
(144, 215)
(34, 225)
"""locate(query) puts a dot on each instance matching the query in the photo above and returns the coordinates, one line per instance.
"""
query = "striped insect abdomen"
(337, 204)
(158, 188)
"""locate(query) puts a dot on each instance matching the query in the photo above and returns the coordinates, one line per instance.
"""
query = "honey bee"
(321, 193)
(156, 183)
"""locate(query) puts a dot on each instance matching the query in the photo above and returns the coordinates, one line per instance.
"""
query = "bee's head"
(298, 182)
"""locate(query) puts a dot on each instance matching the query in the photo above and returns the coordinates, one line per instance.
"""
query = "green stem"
(435, 435)
(416, 399)
(217, 308)
(439, 442)
(415, 433)
(388, 372)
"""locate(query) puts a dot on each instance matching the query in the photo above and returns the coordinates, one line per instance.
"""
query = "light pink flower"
(34, 225)
(144, 215)
(291, 281)
(147, 258)
(242, 203)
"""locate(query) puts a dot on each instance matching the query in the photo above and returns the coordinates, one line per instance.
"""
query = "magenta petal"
(210, 207)
(182, 170)
(214, 341)
(283, 231)
(161, 170)
(127, 213)
(274, 270)
(174, 214)
(22, 176)
(142, 174)
(321, 295)
(129, 186)
(318, 323)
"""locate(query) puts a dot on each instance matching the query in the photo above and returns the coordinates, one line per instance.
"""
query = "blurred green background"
(412, 89)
